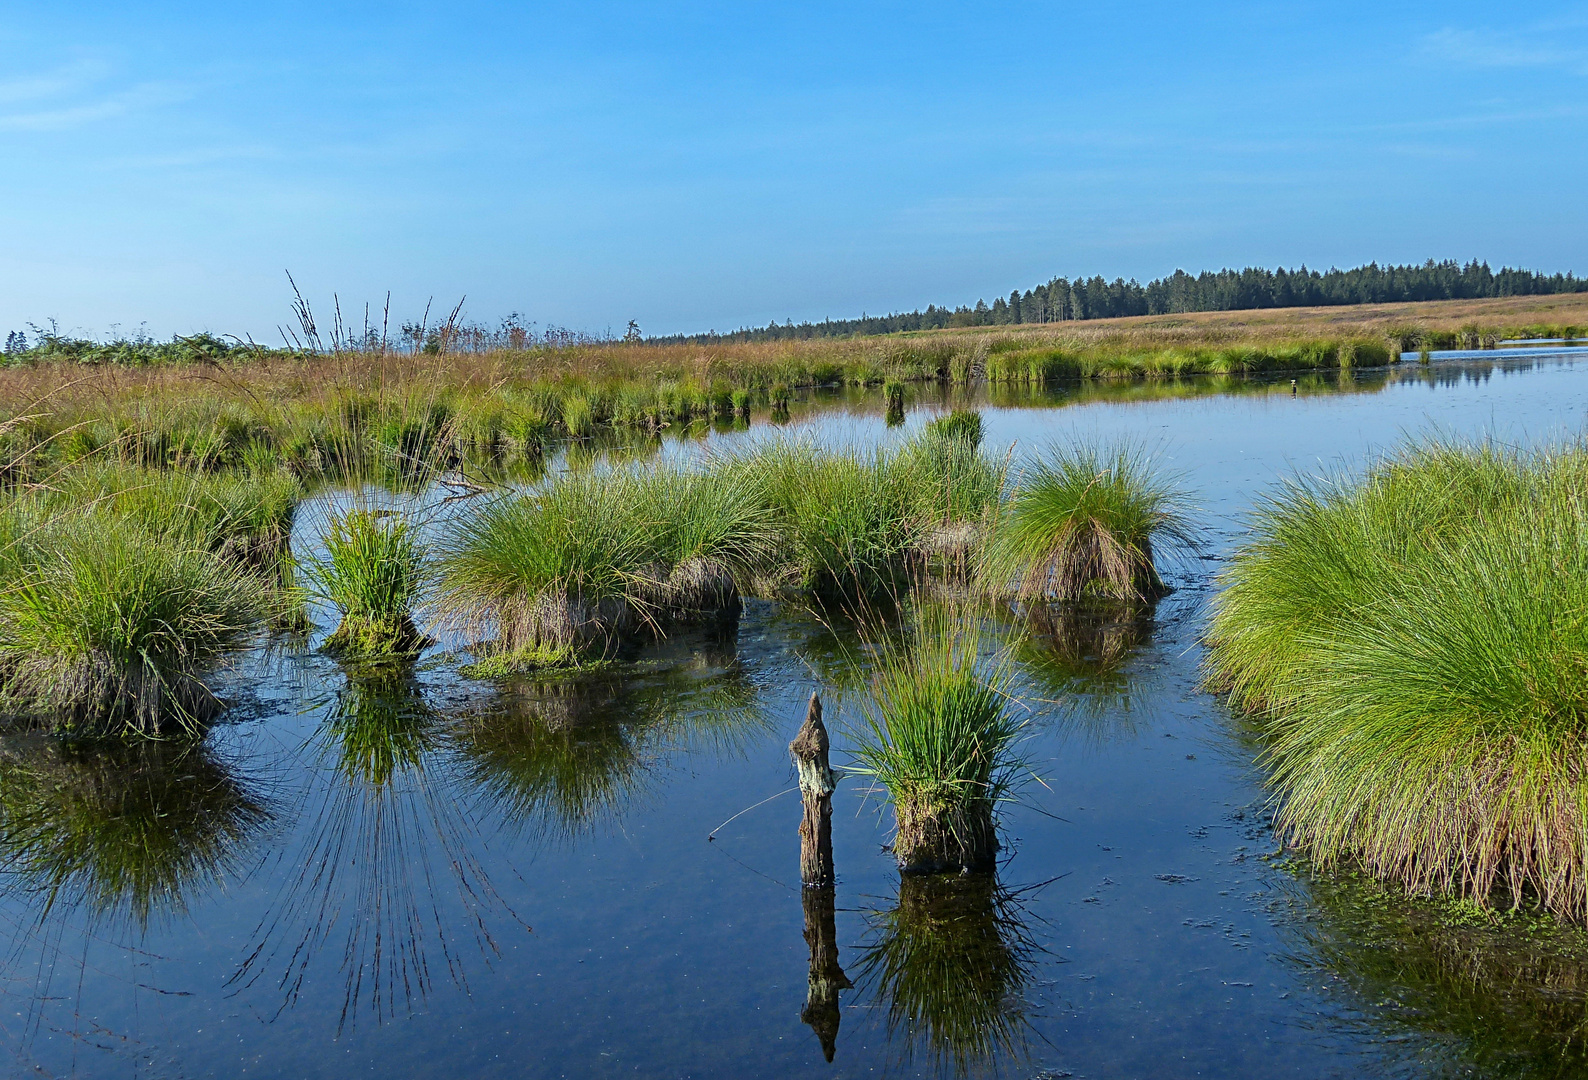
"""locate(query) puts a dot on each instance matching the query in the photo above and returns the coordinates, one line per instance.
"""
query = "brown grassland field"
(286, 404)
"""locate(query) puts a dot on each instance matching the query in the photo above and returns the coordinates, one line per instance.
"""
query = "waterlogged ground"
(430, 876)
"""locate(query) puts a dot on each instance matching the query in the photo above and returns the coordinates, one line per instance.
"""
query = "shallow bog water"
(440, 877)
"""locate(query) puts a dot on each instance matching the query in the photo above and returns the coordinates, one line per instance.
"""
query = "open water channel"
(435, 877)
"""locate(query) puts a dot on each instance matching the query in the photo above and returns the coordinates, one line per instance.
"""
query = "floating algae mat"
(399, 870)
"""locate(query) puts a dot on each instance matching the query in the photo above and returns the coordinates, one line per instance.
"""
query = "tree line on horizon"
(1064, 300)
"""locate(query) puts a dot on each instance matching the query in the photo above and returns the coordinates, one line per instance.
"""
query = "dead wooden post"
(817, 779)
(809, 750)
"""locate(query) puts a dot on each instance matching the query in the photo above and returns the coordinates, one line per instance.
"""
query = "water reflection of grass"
(391, 885)
(1082, 648)
(385, 836)
(950, 962)
(128, 830)
(1478, 992)
(1076, 659)
(1183, 388)
(560, 756)
(379, 726)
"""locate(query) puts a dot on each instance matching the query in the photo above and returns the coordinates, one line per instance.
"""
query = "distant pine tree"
(1224, 290)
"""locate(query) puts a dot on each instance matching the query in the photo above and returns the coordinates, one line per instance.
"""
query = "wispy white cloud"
(194, 157)
(1558, 44)
(64, 80)
(76, 94)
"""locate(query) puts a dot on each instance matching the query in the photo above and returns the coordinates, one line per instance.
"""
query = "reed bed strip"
(351, 412)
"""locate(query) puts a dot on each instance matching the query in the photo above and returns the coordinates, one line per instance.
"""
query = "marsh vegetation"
(523, 644)
(1409, 640)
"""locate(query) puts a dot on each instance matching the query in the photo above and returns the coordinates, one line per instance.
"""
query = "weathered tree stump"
(821, 1010)
(817, 780)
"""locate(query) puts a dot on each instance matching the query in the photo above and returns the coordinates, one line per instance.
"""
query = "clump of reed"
(964, 424)
(710, 530)
(852, 524)
(374, 571)
(940, 734)
(241, 516)
(1088, 522)
(893, 396)
(845, 518)
(955, 492)
(106, 626)
(554, 574)
(1412, 645)
(567, 572)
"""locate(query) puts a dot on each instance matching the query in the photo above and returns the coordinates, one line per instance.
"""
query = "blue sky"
(698, 166)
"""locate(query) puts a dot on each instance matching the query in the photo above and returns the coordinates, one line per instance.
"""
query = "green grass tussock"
(106, 627)
(938, 732)
(962, 424)
(374, 571)
(845, 517)
(563, 574)
(563, 569)
(710, 530)
(568, 573)
(853, 523)
(1084, 521)
(247, 517)
(1414, 645)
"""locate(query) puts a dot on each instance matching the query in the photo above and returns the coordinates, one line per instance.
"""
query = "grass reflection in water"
(558, 757)
(1444, 988)
(392, 888)
(126, 830)
(386, 836)
(950, 964)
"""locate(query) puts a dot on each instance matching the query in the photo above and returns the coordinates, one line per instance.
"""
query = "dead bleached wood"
(809, 751)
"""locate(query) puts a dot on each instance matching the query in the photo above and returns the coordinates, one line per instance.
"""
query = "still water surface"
(431, 876)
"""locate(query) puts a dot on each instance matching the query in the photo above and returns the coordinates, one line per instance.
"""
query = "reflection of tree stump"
(809, 750)
(826, 977)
